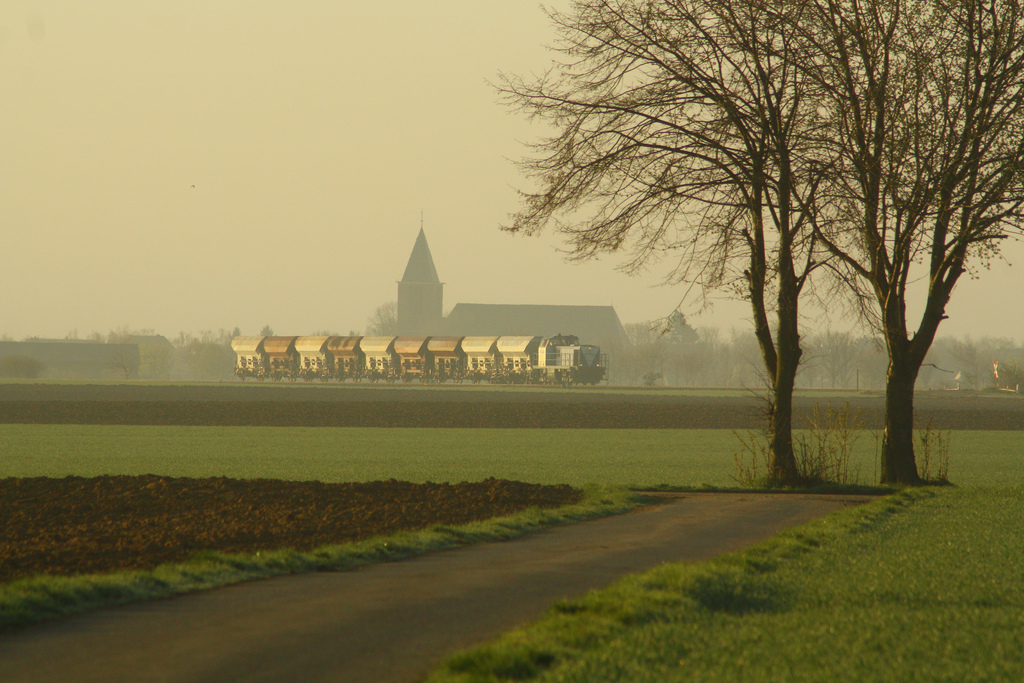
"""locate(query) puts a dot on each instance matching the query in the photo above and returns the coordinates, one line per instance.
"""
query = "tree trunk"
(898, 463)
(906, 354)
(783, 461)
(787, 353)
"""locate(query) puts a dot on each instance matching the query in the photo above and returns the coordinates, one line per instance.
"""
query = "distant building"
(592, 324)
(420, 293)
(420, 306)
(156, 355)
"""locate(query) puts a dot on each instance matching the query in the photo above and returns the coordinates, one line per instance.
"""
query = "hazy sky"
(201, 165)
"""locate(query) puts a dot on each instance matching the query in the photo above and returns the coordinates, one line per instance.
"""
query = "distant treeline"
(660, 353)
(672, 353)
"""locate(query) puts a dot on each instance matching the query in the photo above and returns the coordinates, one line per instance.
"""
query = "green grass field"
(548, 456)
(924, 586)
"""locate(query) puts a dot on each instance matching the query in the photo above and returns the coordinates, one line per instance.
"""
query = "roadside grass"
(42, 598)
(925, 584)
(641, 458)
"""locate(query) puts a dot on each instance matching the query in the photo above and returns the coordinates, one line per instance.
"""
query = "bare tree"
(967, 362)
(682, 129)
(925, 100)
(384, 321)
(122, 335)
(705, 361)
(834, 357)
(970, 359)
(124, 358)
(646, 355)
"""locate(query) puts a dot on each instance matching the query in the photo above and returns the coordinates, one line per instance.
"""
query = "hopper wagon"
(481, 358)
(449, 359)
(313, 358)
(282, 360)
(349, 359)
(416, 362)
(517, 357)
(382, 363)
(252, 360)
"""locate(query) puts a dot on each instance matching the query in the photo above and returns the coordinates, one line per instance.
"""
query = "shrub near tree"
(1011, 375)
(208, 356)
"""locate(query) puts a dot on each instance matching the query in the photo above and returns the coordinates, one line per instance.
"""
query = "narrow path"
(391, 622)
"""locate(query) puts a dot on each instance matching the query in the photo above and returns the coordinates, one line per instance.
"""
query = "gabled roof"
(149, 340)
(592, 324)
(421, 264)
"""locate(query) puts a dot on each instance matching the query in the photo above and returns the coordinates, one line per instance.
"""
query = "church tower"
(420, 293)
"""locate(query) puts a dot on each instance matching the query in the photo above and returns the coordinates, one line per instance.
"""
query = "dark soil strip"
(80, 525)
(568, 414)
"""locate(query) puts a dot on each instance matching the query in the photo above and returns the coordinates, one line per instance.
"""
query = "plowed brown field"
(80, 525)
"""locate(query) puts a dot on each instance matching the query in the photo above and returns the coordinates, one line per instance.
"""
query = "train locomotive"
(497, 360)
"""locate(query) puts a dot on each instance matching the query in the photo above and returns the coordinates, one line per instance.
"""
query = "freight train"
(498, 360)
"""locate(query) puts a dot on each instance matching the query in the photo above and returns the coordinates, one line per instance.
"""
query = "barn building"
(68, 359)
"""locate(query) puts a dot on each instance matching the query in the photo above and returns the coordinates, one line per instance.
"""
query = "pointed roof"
(421, 264)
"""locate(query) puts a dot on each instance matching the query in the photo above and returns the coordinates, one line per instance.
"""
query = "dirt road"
(391, 622)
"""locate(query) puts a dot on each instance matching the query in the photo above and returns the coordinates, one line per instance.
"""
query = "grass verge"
(921, 585)
(41, 598)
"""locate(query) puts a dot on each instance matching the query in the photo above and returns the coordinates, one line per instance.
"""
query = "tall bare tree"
(834, 357)
(681, 131)
(925, 100)
(124, 359)
(384, 321)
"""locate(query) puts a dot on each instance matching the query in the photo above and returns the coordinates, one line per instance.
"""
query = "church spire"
(421, 265)
(420, 293)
